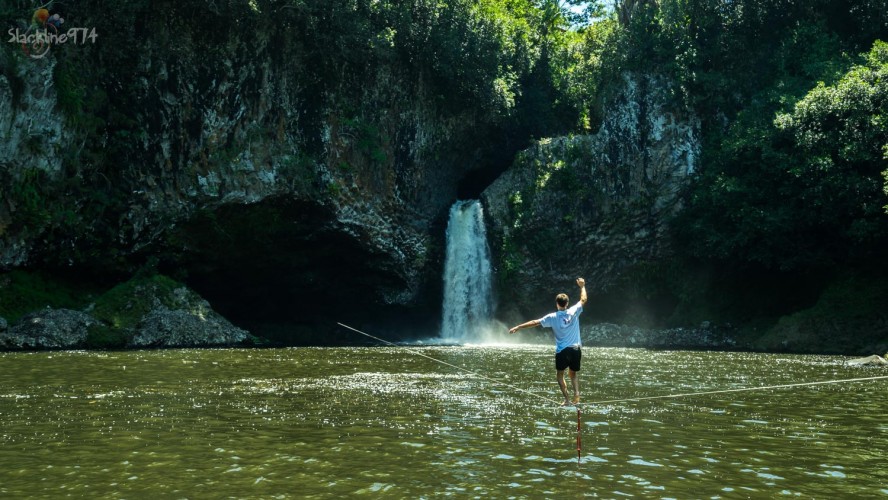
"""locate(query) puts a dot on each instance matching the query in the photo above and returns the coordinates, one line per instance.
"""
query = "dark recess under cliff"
(498, 156)
(473, 184)
(284, 270)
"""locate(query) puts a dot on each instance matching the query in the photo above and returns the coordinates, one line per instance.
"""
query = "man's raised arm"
(582, 284)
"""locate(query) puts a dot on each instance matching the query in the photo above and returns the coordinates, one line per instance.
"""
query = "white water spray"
(468, 278)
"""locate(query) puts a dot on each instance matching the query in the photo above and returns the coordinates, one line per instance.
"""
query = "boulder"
(157, 311)
(874, 360)
(48, 329)
(164, 327)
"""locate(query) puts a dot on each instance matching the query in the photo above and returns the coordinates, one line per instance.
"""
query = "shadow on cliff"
(287, 271)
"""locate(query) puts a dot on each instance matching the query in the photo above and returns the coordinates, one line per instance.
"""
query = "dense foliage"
(792, 96)
(790, 196)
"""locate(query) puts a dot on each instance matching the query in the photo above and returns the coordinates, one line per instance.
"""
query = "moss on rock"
(126, 304)
(22, 292)
(101, 336)
(157, 311)
(145, 311)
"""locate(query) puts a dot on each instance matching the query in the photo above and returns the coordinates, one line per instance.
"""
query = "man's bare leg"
(575, 381)
(561, 384)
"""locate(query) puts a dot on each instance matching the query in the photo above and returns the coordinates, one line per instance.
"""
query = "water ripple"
(341, 422)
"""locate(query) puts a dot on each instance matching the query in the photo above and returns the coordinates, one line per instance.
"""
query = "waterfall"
(468, 287)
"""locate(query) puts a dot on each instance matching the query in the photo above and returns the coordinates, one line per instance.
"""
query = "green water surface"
(385, 422)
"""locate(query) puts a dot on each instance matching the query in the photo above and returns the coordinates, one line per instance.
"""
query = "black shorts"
(569, 357)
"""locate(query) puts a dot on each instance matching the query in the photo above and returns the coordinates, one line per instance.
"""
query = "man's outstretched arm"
(582, 284)
(530, 324)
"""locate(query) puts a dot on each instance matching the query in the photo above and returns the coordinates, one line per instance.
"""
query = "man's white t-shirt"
(566, 326)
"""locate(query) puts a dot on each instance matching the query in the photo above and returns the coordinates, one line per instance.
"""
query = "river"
(385, 422)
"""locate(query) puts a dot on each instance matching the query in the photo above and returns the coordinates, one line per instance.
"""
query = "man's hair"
(562, 300)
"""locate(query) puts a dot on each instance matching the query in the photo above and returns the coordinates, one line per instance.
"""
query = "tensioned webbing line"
(627, 400)
(612, 401)
(724, 391)
(544, 398)
(495, 381)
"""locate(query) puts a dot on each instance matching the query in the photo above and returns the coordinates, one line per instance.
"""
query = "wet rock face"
(595, 205)
(33, 136)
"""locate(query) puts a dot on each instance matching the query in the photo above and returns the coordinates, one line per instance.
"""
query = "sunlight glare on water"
(328, 422)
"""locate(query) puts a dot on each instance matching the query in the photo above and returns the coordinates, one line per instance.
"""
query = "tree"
(626, 9)
(843, 131)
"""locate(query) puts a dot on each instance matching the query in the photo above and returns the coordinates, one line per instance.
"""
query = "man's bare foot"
(566, 403)
(576, 399)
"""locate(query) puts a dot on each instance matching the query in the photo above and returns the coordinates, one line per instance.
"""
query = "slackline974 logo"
(45, 30)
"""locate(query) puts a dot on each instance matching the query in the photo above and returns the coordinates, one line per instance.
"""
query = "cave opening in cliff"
(285, 271)
(497, 158)
(475, 182)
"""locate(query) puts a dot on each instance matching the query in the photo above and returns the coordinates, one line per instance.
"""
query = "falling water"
(468, 293)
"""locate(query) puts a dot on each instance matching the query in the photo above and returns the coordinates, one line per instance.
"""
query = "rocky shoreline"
(66, 329)
(63, 329)
(155, 311)
(162, 327)
(706, 336)
(709, 336)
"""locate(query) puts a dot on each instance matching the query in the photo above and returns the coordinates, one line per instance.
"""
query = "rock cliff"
(592, 205)
(238, 147)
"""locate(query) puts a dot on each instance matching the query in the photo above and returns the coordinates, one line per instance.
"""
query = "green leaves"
(804, 188)
(843, 130)
(847, 120)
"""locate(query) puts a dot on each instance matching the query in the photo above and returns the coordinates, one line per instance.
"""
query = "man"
(565, 324)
